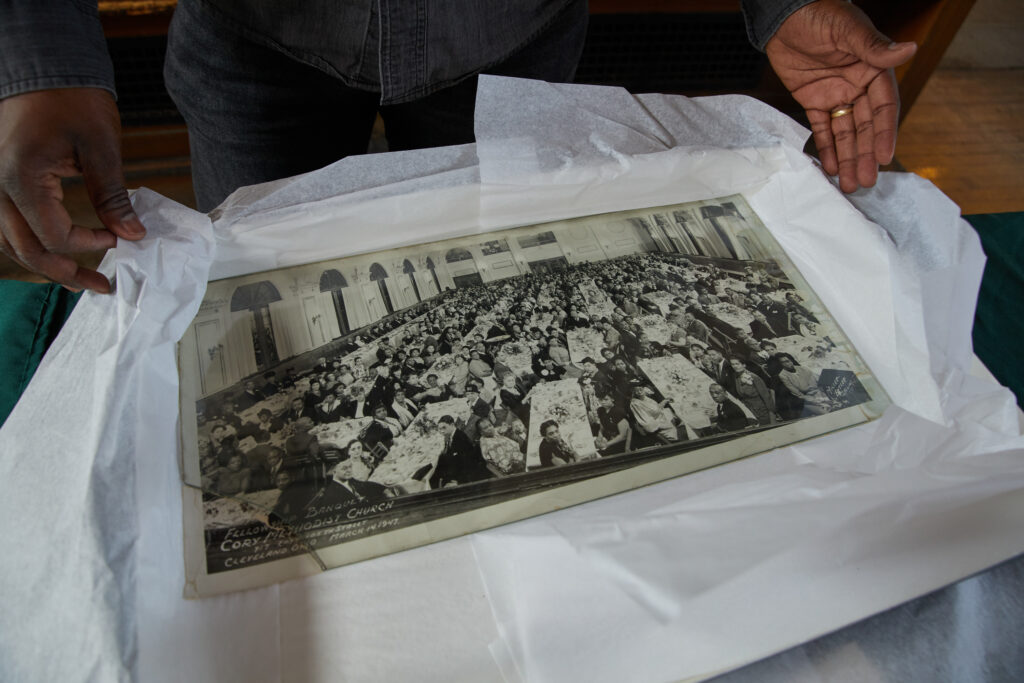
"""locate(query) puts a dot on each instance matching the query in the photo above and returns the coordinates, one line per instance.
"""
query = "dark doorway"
(333, 281)
(257, 298)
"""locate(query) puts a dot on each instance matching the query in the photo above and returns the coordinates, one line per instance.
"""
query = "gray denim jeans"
(255, 113)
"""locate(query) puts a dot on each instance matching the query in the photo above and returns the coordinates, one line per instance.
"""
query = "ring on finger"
(842, 111)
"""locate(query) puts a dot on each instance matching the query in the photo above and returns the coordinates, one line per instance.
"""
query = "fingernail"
(133, 226)
(898, 46)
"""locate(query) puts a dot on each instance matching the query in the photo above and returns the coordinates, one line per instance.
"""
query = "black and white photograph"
(349, 408)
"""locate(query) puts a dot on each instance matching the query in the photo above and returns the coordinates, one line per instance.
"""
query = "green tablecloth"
(31, 315)
(999, 319)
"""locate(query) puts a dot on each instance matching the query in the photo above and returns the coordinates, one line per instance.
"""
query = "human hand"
(832, 58)
(45, 136)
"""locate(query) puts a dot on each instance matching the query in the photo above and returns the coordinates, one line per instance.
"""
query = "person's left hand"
(832, 58)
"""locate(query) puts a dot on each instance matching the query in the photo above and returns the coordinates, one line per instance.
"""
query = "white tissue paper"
(681, 579)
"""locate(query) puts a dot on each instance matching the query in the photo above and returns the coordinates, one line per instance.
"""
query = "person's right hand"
(45, 136)
(839, 67)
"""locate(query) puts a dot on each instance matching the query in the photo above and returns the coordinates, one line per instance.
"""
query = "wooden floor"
(966, 134)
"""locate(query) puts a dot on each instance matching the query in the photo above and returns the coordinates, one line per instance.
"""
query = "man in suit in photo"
(717, 368)
(250, 396)
(343, 488)
(460, 462)
(298, 410)
(729, 416)
(333, 407)
(265, 462)
(382, 430)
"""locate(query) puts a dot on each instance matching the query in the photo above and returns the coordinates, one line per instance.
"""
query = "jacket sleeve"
(764, 17)
(52, 44)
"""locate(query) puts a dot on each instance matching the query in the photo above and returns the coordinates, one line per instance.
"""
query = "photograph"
(341, 410)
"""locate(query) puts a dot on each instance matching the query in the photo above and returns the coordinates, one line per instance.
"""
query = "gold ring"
(842, 111)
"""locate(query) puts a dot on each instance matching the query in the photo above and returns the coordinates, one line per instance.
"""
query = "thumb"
(864, 41)
(104, 181)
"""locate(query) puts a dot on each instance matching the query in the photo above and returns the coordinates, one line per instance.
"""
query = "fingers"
(884, 99)
(844, 132)
(821, 129)
(846, 145)
(39, 208)
(19, 242)
(44, 136)
(866, 166)
(853, 146)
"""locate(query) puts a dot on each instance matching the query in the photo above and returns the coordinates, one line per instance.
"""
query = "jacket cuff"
(764, 17)
(53, 44)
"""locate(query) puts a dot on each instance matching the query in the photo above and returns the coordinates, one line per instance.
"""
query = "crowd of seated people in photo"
(489, 345)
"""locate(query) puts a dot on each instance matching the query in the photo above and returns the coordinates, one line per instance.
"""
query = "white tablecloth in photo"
(420, 444)
(814, 353)
(658, 329)
(443, 367)
(684, 385)
(585, 342)
(561, 401)
(517, 356)
(598, 304)
(661, 299)
(732, 315)
(339, 434)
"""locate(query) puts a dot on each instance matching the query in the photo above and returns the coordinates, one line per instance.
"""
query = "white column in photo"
(675, 236)
(321, 317)
(678, 221)
(240, 358)
(326, 300)
(411, 288)
(373, 301)
(210, 354)
(400, 291)
(735, 228)
(694, 228)
(648, 226)
(425, 281)
(714, 230)
(355, 306)
(291, 333)
(519, 257)
(747, 235)
(439, 268)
